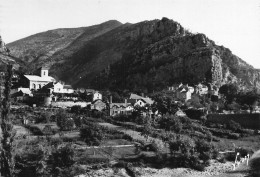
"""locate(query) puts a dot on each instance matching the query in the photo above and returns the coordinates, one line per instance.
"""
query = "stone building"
(37, 81)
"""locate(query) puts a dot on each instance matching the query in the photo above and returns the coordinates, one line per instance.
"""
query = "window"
(34, 86)
(44, 73)
(40, 86)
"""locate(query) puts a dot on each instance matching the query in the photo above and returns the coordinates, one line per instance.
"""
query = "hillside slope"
(147, 56)
(38, 49)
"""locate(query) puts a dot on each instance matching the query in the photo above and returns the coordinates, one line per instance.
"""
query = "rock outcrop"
(3, 48)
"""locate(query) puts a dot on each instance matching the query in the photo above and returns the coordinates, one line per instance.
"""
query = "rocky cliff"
(5, 56)
(149, 55)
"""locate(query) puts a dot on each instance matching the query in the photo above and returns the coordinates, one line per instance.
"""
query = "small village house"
(184, 92)
(98, 105)
(120, 108)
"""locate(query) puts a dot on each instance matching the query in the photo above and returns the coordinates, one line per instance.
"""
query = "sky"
(234, 24)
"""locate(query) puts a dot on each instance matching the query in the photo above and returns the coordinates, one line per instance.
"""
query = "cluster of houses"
(184, 92)
(45, 86)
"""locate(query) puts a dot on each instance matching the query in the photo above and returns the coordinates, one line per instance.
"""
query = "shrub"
(55, 141)
(31, 161)
(127, 137)
(243, 152)
(47, 130)
(75, 109)
(64, 122)
(92, 134)
(63, 156)
(254, 165)
(234, 126)
(35, 130)
(233, 135)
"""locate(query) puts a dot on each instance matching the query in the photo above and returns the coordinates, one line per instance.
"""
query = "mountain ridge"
(148, 55)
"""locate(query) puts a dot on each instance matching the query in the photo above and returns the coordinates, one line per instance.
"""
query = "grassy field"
(20, 130)
(251, 142)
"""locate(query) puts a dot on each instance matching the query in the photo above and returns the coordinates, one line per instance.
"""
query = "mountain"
(146, 56)
(38, 49)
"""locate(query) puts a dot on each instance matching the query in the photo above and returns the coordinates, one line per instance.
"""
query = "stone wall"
(68, 104)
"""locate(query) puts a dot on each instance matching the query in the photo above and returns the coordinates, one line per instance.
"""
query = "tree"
(164, 103)
(147, 129)
(92, 134)
(170, 123)
(249, 99)
(229, 91)
(64, 122)
(6, 153)
(63, 156)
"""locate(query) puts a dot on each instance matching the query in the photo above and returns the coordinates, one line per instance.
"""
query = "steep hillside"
(39, 49)
(146, 56)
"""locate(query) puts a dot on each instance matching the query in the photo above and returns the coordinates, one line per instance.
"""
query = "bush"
(243, 152)
(35, 130)
(234, 126)
(75, 109)
(254, 165)
(233, 136)
(31, 161)
(92, 134)
(63, 156)
(55, 141)
(64, 122)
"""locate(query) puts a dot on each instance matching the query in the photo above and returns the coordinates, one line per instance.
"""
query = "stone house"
(98, 105)
(57, 87)
(184, 92)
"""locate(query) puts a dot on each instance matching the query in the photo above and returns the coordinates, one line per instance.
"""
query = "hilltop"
(149, 56)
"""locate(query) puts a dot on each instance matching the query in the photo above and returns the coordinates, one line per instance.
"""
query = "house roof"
(44, 68)
(38, 78)
(89, 90)
(51, 85)
(120, 105)
(131, 101)
(97, 101)
(67, 87)
(25, 90)
(180, 113)
(137, 97)
(148, 100)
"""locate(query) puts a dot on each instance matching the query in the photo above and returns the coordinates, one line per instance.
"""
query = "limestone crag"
(5, 56)
(3, 48)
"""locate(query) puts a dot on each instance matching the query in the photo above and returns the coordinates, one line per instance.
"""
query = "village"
(84, 119)
(129, 89)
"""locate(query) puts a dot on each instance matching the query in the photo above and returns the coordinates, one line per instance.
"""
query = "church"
(35, 82)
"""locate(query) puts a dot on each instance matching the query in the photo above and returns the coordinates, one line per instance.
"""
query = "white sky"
(232, 23)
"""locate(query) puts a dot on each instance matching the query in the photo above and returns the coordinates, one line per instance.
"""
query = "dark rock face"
(149, 55)
(3, 48)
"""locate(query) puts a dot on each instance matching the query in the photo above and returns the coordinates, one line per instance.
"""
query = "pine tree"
(6, 150)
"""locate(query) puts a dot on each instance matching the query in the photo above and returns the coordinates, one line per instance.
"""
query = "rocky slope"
(146, 56)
